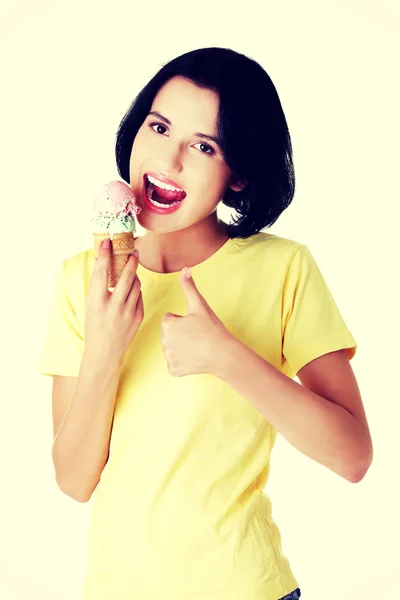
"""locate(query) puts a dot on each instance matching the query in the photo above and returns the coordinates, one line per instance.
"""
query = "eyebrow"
(202, 135)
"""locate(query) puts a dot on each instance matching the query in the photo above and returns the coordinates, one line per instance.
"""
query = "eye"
(158, 125)
(206, 146)
(210, 149)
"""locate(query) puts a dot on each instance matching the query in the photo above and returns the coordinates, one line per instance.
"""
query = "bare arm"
(82, 441)
(329, 427)
(81, 446)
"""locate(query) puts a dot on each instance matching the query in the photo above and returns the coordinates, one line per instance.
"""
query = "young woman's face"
(174, 150)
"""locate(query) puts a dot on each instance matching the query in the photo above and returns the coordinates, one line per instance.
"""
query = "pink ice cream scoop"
(114, 210)
(115, 199)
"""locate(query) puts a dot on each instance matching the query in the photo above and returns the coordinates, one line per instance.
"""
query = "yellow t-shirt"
(180, 511)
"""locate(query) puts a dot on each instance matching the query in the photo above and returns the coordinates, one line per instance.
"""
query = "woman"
(181, 384)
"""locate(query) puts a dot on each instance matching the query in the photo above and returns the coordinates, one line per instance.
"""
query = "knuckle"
(129, 277)
(133, 290)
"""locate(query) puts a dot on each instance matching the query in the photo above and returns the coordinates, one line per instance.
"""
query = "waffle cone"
(122, 245)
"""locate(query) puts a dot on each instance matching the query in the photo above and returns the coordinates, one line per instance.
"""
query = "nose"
(171, 159)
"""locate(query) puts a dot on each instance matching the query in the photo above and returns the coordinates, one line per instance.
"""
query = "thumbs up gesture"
(196, 342)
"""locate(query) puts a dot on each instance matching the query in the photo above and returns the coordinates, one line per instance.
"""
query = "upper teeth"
(163, 185)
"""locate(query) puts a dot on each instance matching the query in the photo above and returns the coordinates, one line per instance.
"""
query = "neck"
(170, 252)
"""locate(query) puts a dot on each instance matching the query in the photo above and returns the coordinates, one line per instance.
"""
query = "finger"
(138, 310)
(140, 307)
(134, 298)
(102, 267)
(125, 282)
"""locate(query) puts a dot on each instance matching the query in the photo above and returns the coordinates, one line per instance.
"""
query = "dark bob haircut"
(251, 125)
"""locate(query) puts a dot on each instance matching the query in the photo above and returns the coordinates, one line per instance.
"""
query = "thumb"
(195, 300)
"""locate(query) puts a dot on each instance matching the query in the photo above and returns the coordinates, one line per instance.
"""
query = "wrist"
(227, 357)
(97, 360)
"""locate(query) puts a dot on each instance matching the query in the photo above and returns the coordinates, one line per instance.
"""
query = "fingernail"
(188, 273)
(106, 243)
(136, 252)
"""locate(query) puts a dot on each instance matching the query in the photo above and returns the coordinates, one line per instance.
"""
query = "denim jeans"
(295, 595)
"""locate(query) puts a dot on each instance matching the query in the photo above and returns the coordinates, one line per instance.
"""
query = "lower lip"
(155, 209)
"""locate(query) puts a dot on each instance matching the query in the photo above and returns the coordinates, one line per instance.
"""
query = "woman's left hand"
(193, 343)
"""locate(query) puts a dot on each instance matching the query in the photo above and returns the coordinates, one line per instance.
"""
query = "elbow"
(357, 476)
(363, 466)
(82, 498)
(77, 497)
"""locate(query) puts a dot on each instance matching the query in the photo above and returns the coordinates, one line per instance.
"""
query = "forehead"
(182, 98)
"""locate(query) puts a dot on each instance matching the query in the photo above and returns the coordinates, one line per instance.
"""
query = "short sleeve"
(312, 323)
(63, 342)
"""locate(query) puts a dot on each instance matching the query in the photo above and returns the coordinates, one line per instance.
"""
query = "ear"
(237, 185)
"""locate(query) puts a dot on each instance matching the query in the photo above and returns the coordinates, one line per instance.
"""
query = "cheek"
(138, 156)
(132, 158)
(209, 175)
(140, 141)
(217, 186)
(137, 143)
(208, 184)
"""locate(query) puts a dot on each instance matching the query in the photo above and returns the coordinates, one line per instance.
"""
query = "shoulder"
(78, 267)
(272, 247)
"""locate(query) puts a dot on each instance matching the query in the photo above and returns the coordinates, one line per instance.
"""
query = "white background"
(69, 71)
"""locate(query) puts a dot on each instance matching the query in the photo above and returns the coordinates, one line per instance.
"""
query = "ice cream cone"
(122, 245)
(114, 212)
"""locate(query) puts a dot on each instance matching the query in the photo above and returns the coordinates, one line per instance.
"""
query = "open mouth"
(161, 197)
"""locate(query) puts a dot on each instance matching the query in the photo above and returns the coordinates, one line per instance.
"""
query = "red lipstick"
(157, 209)
(164, 179)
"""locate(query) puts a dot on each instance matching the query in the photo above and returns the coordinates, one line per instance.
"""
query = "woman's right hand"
(113, 318)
